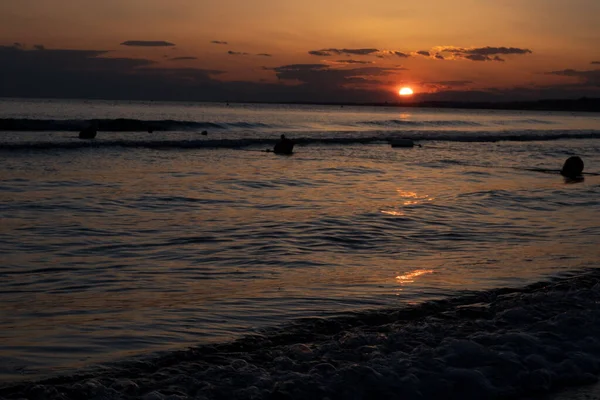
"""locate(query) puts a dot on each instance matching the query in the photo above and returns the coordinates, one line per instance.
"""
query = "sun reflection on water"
(410, 277)
(392, 212)
(413, 198)
(410, 199)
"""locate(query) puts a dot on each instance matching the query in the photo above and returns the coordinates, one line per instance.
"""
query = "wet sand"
(504, 343)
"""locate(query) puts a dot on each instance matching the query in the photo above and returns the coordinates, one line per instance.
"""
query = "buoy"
(402, 143)
(573, 167)
(87, 133)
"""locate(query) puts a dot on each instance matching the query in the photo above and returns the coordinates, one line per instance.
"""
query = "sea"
(155, 237)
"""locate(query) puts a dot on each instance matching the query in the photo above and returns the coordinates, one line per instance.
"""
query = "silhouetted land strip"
(586, 104)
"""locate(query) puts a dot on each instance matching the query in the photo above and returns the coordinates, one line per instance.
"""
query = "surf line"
(542, 170)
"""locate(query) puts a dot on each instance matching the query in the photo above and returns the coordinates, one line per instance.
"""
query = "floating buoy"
(402, 143)
(572, 168)
(88, 133)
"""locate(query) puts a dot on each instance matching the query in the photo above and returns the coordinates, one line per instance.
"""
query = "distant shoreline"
(583, 104)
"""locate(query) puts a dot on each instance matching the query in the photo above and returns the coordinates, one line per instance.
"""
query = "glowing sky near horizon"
(552, 44)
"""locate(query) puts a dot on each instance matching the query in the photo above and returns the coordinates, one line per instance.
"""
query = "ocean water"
(137, 242)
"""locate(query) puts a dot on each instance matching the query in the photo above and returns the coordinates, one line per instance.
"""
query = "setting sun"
(405, 91)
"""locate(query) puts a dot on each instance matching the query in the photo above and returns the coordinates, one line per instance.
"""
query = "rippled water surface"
(112, 251)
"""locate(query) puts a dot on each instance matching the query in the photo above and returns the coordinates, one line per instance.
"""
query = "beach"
(498, 344)
(156, 262)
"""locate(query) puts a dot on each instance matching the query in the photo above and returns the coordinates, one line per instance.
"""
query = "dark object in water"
(284, 146)
(572, 168)
(88, 133)
(402, 143)
(204, 133)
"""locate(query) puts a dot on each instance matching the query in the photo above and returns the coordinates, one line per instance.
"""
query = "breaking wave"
(168, 125)
(407, 123)
(497, 344)
(308, 138)
(116, 125)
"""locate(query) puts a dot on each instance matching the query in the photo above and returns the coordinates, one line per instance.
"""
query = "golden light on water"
(392, 212)
(413, 198)
(410, 277)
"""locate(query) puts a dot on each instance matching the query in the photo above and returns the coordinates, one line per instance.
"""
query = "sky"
(309, 50)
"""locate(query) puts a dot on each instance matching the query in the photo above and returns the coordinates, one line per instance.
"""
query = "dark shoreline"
(584, 104)
(499, 344)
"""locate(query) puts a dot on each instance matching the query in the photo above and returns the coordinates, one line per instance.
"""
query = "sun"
(405, 91)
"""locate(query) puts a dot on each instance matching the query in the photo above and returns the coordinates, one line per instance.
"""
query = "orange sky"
(534, 46)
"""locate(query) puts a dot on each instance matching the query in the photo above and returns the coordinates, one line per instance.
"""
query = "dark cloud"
(424, 53)
(490, 51)
(400, 54)
(182, 58)
(94, 74)
(353, 62)
(237, 53)
(439, 57)
(323, 76)
(329, 52)
(487, 53)
(39, 47)
(218, 42)
(593, 62)
(590, 78)
(264, 55)
(481, 57)
(89, 74)
(321, 53)
(147, 43)
(18, 45)
(451, 83)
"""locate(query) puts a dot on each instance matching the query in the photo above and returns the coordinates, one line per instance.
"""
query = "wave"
(167, 125)
(523, 121)
(117, 125)
(401, 122)
(501, 343)
(339, 138)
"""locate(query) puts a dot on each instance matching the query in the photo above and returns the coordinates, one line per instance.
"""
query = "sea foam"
(503, 343)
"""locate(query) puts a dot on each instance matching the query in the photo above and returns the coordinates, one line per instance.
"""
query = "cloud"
(95, 74)
(593, 62)
(589, 78)
(218, 42)
(325, 77)
(381, 53)
(487, 53)
(321, 53)
(490, 51)
(182, 58)
(39, 47)
(352, 62)
(237, 53)
(400, 54)
(424, 53)
(90, 74)
(393, 53)
(147, 43)
(330, 52)
(450, 83)
(264, 55)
